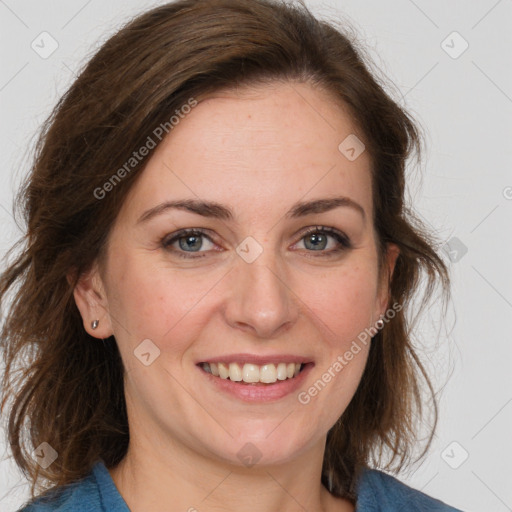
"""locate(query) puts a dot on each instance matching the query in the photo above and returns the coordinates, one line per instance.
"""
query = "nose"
(261, 300)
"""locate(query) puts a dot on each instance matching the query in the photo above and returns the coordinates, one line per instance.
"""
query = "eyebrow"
(216, 210)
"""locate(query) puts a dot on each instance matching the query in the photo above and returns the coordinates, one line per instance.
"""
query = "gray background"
(464, 102)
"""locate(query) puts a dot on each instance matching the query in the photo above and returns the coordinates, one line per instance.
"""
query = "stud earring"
(94, 324)
(379, 323)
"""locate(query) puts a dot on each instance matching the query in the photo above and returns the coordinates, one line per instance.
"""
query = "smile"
(252, 373)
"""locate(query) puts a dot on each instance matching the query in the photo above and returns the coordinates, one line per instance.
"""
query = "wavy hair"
(63, 387)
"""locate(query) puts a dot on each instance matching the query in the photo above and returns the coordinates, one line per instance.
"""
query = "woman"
(218, 267)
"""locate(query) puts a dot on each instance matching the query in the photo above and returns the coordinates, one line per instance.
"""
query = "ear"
(390, 257)
(91, 301)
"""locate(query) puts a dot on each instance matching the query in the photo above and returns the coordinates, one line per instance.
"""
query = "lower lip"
(259, 392)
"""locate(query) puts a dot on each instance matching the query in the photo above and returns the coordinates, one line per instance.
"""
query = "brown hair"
(68, 387)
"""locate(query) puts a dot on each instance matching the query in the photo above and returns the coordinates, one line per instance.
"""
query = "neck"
(171, 477)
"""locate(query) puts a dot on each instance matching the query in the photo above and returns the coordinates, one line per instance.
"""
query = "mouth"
(254, 374)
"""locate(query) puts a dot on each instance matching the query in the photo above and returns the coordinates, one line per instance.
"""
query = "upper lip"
(256, 359)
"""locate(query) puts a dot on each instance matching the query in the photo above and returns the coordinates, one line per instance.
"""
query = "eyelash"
(343, 240)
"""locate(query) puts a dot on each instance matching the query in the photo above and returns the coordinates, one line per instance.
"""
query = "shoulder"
(380, 492)
(95, 492)
(81, 495)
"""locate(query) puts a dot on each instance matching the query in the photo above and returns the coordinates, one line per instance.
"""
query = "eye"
(189, 240)
(316, 239)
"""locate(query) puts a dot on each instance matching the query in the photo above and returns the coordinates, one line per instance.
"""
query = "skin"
(258, 151)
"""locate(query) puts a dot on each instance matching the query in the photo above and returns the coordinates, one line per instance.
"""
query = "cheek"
(147, 301)
(341, 307)
(342, 301)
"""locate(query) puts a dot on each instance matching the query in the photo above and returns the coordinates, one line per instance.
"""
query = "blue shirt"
(377, 492)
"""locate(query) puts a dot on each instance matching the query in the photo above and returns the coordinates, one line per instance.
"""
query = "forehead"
(257, 149)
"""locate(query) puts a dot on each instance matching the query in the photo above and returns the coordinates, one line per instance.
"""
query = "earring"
(94, 324)
(379, 323)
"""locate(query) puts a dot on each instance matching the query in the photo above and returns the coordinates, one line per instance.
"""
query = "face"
(260, 284)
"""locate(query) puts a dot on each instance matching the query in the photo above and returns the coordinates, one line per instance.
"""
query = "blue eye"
(319, 235)
(316, 240)
(187, 239)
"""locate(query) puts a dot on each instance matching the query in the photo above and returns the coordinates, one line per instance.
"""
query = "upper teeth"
(252, 373)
